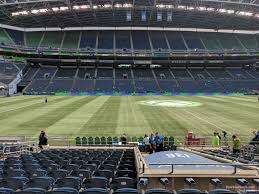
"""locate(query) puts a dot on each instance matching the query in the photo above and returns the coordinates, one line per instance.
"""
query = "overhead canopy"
(182, 14)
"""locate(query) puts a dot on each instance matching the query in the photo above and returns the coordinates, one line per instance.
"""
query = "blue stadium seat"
(104, 173)
(251, 192)
(222, 191)
(126, 191)
(125, 173)
(50, 167)
(32, 191)
(57, 174)
(41, 182)
(110, 167)
(71, 182)
(123, 182)
(78, 162)
(12, 166)
(91, 167)
(95, 191)
(112, 162)
(6, 191)
(14, 173)
(37, 172)
(96, 162)
(158, 191)
(189, 191)
(64, 190)
(14, 183)
(71, 167)
(32, 166)
(96, 182)
(126, 167)
(81, 173)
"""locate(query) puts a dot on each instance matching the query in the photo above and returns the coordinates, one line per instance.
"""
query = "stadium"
(129, 97)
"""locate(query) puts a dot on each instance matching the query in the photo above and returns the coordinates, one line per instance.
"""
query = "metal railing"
(16, 148)
(234, 165)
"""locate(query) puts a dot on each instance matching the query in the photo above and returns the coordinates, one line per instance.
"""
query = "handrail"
(209, 164)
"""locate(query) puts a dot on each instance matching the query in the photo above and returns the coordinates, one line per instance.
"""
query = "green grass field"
(114, 115)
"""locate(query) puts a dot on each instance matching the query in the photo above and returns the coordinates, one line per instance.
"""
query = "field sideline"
(114, 115)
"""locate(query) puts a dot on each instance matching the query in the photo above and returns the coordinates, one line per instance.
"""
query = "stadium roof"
(211, 14)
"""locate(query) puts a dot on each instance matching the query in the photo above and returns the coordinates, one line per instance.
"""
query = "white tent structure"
(3, 89)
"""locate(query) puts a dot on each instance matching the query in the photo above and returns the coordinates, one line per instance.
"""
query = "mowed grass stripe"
(88, 112)
(232, 101)
(234, 108)
(131, 118)
(104, 121)
(227, 116)
(189, 122)
(211, 114)
(13, 124)
(9, 113)
(161, 120)
(17, 101)
(74, 122)
(53, 116)
(22, 104)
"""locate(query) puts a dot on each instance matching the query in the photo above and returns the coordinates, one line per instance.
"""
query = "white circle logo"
(170, 103)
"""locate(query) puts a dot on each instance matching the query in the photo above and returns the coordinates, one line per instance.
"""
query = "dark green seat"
(109, 140)
(103, 140)
(134, 139)
(171, 140)
(97, 141)
(140, 139)
(78, 141)
(115, 140)
(90, 140)
(84, 141)
(166, 140)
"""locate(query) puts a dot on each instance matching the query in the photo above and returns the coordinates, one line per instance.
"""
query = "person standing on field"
(43, 139)
(236, 144)
(146, 143)
(215, 140)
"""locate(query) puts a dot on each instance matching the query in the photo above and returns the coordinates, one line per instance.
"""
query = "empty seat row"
(67, 190)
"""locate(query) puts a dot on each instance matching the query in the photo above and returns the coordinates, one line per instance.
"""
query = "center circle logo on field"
(170, 103)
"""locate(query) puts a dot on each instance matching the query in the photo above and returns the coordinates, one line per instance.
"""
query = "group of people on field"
(153, 143)
(223, 141)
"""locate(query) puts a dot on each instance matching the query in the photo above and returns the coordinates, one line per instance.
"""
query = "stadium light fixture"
(190, 8)
(222, 10)
(243, 13)
(229, 11)
(63, 8)
(20, 13)
(202, 8)
(118, 5)
(181, 7)
(35, 11)
(55, 9)
(129, 5)
(43, 10)
(210, 9)
(107, 6)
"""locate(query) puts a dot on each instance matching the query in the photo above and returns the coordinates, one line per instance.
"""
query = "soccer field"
(134, 115)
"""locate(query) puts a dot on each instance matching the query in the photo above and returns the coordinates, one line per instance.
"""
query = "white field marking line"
(202, 119)
(21, 107)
